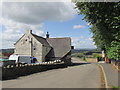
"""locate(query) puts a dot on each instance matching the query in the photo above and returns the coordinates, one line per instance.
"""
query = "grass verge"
(116, 87)
(103, 84)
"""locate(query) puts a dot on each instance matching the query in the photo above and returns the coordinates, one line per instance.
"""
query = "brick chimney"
(47, 35)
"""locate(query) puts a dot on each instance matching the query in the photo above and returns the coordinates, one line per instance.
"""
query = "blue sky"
(59, 19)
(66, 28)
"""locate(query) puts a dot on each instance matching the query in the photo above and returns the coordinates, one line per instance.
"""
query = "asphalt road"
(80, 75)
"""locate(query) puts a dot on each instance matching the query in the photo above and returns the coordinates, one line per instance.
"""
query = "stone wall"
(91, 60)
(23, 46)
(5, 63)
(14, 71)
(28, 45)
(67, 58)
(116, 64)
(45, 51)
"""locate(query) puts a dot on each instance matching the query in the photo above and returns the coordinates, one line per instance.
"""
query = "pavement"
(0, 73)
(80, 75)
(111, 74)
(0, 78)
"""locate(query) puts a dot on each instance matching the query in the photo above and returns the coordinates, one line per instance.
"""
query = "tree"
(104, 18)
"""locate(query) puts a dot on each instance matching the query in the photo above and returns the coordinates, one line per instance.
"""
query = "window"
(34, 48)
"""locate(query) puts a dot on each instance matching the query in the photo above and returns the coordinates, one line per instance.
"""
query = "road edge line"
(106, 84)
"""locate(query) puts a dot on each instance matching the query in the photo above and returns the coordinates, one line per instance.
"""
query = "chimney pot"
(47, 35)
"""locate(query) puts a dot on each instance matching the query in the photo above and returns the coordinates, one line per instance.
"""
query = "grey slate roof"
(61, 46)
(41, 40)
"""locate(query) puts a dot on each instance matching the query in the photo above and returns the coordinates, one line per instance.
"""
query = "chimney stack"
(47, 35)
(29, 31)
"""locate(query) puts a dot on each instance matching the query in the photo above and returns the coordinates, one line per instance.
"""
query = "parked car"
(22, 59)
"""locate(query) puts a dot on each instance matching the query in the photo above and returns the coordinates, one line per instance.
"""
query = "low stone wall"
(5, 63)
(91, 59)
(116, 64)
(13, 71)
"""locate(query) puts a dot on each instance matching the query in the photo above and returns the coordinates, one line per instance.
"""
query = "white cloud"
(37, 12)
(36, 1)
(78, 26)
(90, 38)
(13, 31)
(82, 43)
(18, 17)
(88, 24)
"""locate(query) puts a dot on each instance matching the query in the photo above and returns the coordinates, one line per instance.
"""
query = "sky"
(60, 19)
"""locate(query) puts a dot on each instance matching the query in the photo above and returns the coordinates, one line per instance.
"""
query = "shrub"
(96, 55)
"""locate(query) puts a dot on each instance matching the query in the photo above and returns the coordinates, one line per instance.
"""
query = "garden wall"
(116, 64)
(13, 71)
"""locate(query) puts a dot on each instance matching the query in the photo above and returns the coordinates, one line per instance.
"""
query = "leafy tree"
(104, 18)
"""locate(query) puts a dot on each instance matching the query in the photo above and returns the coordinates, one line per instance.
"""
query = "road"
(80, 75)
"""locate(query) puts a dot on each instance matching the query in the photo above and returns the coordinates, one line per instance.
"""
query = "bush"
(96, 55)
(114, 51)
(84, 58)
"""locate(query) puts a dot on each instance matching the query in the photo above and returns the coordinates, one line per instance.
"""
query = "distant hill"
(85, 50)
(5, 53)
(11, 50)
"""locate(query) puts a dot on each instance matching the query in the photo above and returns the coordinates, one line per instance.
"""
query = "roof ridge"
(19, 39)
(38, 36)
(41, 39)
(58, 37)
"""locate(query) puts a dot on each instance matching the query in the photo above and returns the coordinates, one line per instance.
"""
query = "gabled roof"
(61, 46)
(19, 39)
(41, 40)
